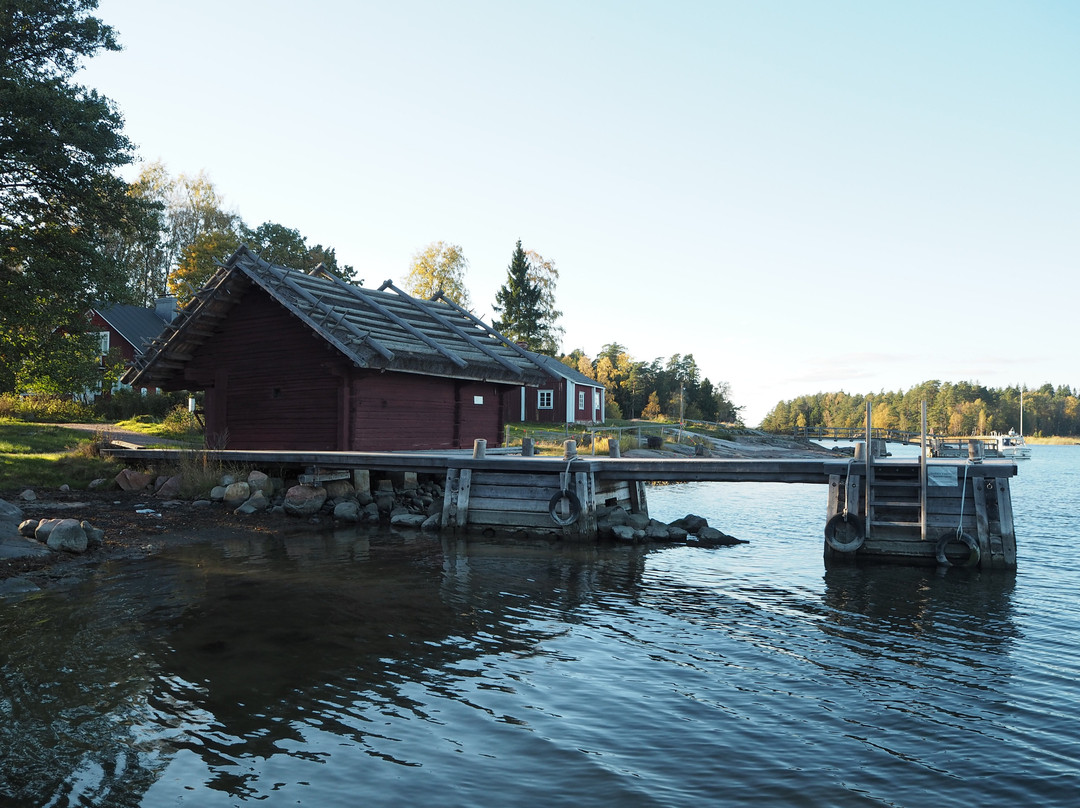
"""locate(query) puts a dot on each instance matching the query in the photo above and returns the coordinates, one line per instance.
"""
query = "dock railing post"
(922, 474)
(869, 472)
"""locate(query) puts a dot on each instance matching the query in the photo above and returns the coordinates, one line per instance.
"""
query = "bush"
(43, 409)
(125, 405)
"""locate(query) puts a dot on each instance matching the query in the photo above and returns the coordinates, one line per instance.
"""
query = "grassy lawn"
(46, 456)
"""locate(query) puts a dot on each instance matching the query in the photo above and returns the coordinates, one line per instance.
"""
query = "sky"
(806, 196)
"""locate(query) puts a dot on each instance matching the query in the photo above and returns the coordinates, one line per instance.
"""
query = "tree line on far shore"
(963, 408)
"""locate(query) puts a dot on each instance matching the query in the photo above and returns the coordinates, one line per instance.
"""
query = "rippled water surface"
(366, 669)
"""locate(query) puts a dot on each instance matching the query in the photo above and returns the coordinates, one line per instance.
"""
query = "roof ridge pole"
(441, 296)
(358, 293)
(456, 329)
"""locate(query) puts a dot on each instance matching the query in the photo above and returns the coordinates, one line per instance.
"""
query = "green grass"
(34, 455)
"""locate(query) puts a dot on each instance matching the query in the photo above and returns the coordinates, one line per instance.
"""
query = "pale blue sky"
(807, 196)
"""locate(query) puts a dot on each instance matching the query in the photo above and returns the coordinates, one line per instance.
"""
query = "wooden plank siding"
(402, 411)
(259, 396)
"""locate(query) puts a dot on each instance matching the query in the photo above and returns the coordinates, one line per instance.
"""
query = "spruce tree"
(519, 302)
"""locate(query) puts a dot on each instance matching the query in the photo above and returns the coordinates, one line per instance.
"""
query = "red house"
(130, 329)
(290, 360)
(566, 396)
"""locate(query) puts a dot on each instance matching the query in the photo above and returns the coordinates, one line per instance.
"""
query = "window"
(581, 400)
(545, 399)
(103, 342)
(477, 399)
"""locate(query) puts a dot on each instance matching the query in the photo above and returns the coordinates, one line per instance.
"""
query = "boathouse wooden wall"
(400, 411)
(272, 384)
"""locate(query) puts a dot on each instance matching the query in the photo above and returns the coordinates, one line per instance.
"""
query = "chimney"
(165, 308)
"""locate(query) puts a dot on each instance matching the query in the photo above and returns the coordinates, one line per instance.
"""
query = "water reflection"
(479, 673)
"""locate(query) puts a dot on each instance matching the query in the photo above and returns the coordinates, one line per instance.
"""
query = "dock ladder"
(895, 496)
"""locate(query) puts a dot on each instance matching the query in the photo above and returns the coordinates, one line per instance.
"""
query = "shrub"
(43, 409)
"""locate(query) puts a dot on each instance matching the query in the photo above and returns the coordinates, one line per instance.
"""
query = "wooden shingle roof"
(384, 329)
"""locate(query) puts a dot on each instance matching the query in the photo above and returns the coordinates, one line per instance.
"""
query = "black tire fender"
(844, 534)
(957, 537)
(575, 508)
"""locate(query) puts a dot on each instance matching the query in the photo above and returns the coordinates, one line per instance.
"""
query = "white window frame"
(545, 395)
(581, 400)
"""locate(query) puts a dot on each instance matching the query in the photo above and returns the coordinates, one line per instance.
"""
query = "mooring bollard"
(613, 449)
(527, 449)
(860, 450)
(975, 451)
(479, 448)
(569, 449)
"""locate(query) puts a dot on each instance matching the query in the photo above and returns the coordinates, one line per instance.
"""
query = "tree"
(199, 261)
(59, 198)
(286, 247)
(652, 409)
(520, 302)
(144, 249)
(439, 267)
(543, 273)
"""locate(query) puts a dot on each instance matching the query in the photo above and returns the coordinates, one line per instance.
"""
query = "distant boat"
(1008, 447)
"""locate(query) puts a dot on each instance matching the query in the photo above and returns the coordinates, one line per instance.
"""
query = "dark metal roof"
(137, 325)
(377, 329)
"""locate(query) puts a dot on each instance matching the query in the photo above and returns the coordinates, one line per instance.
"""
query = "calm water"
(356, 669)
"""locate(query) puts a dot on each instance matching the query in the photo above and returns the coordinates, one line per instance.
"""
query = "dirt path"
(112, 432)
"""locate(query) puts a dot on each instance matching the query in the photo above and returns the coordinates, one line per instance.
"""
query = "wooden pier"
(916, 511)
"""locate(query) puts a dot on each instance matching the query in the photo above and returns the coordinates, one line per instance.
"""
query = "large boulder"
(338, 489)
(44, 528)
(10, 519)
(170, 487)
(405, 519)
(691, 523)
(68, 536)
(131, 480)
(347, 511)
(304, 500)
(236, 495)
(711, 537)
(21, 547)
(258, 481)
(95, 536)
(257, 502)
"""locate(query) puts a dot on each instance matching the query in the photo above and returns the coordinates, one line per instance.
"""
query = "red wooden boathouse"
(290, 360)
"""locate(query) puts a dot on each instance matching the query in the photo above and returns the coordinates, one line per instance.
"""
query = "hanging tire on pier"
(958, 537)
(573, 507)
(844, 533)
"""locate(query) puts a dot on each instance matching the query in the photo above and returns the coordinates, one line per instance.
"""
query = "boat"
(1008, 447)
(995, 445)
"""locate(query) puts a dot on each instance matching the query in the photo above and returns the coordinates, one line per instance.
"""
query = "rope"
(963, 495)
(847, 486)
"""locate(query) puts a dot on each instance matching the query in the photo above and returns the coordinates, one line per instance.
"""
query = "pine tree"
(519, 302)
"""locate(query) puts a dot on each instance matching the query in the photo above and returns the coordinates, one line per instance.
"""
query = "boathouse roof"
(384, 329)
